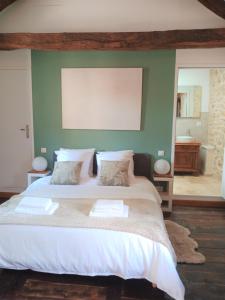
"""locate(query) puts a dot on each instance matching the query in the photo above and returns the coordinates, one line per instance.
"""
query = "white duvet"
(90, 252)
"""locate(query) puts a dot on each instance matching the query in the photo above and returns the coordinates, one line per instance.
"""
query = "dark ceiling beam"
(173, 39)
(5, 3)
(217, 6)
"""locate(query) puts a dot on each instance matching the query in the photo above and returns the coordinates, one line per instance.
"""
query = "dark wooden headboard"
(142, 164)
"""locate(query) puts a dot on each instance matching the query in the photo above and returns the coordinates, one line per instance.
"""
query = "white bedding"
(90, 251)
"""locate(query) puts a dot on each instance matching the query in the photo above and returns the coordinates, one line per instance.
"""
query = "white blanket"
(140, 187)
(90, 251)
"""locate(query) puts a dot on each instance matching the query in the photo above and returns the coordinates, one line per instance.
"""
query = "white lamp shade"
(162, 167)
(39, 163)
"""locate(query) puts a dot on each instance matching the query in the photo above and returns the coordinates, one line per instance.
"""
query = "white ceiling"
(106, 15)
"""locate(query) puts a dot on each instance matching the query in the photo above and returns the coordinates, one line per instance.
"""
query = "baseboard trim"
(199, 203)
(7, 195)
(197, 197)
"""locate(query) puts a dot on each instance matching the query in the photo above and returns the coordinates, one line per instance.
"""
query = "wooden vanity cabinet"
(187, 157)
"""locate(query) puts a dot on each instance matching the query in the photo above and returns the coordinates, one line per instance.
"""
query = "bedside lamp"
(39, 163)
(162, 167)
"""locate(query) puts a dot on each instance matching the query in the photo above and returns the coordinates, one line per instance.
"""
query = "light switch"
(43, 150)
(161, 153)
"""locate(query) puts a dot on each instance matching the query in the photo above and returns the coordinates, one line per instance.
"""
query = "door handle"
(26, 129)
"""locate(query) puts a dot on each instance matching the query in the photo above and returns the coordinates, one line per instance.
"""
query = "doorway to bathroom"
(200, 132)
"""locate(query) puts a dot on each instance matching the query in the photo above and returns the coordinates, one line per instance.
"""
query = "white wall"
(196, 77)
(200, 58)
(18, 59)
(106, 15)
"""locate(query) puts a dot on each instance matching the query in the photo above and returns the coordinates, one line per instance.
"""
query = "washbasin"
(184, 138)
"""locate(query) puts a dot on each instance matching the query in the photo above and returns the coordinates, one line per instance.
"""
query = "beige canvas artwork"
(101, 98)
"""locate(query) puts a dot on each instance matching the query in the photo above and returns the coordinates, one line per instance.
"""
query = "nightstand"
(164, 185)
(33, 175)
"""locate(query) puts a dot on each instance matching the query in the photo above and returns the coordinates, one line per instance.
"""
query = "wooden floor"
(202, 282)
(207, 225)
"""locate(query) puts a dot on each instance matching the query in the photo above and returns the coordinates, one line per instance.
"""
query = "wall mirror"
(189, 101)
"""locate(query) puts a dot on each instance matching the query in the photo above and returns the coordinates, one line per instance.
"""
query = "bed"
(41, 245)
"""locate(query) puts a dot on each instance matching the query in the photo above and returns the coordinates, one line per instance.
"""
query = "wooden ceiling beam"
(216, 6)
(5, 3)
(173, 39)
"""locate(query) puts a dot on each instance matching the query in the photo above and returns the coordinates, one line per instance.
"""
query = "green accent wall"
(157, 101)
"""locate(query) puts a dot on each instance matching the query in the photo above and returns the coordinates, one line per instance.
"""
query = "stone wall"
(216, 117)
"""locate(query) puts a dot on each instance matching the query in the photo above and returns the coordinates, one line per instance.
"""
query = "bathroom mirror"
(189, 101)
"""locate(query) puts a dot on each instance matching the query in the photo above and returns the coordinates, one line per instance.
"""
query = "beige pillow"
(114, 173)
(66, 172)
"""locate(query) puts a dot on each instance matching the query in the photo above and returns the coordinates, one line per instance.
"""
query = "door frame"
(24, 65)
(189, 65)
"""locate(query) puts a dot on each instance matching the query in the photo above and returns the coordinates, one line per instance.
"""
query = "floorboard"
(202, 282)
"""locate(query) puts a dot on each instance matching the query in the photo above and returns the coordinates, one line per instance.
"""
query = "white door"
(16, 143)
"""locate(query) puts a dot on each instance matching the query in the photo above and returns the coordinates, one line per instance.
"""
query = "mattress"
(90, 252)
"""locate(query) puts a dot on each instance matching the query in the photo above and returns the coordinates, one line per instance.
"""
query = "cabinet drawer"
(188, 148)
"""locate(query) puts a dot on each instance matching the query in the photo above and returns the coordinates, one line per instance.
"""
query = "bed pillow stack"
(115, 168)
(114, 173)
(122, 160)
(83, 155)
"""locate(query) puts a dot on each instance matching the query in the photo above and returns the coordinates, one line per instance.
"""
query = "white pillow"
(84, 155)
(117, 155)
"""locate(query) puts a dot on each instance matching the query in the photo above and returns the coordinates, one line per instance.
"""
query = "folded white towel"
(110, 213)
(105, 204)
(35, 202)
(37, 211)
